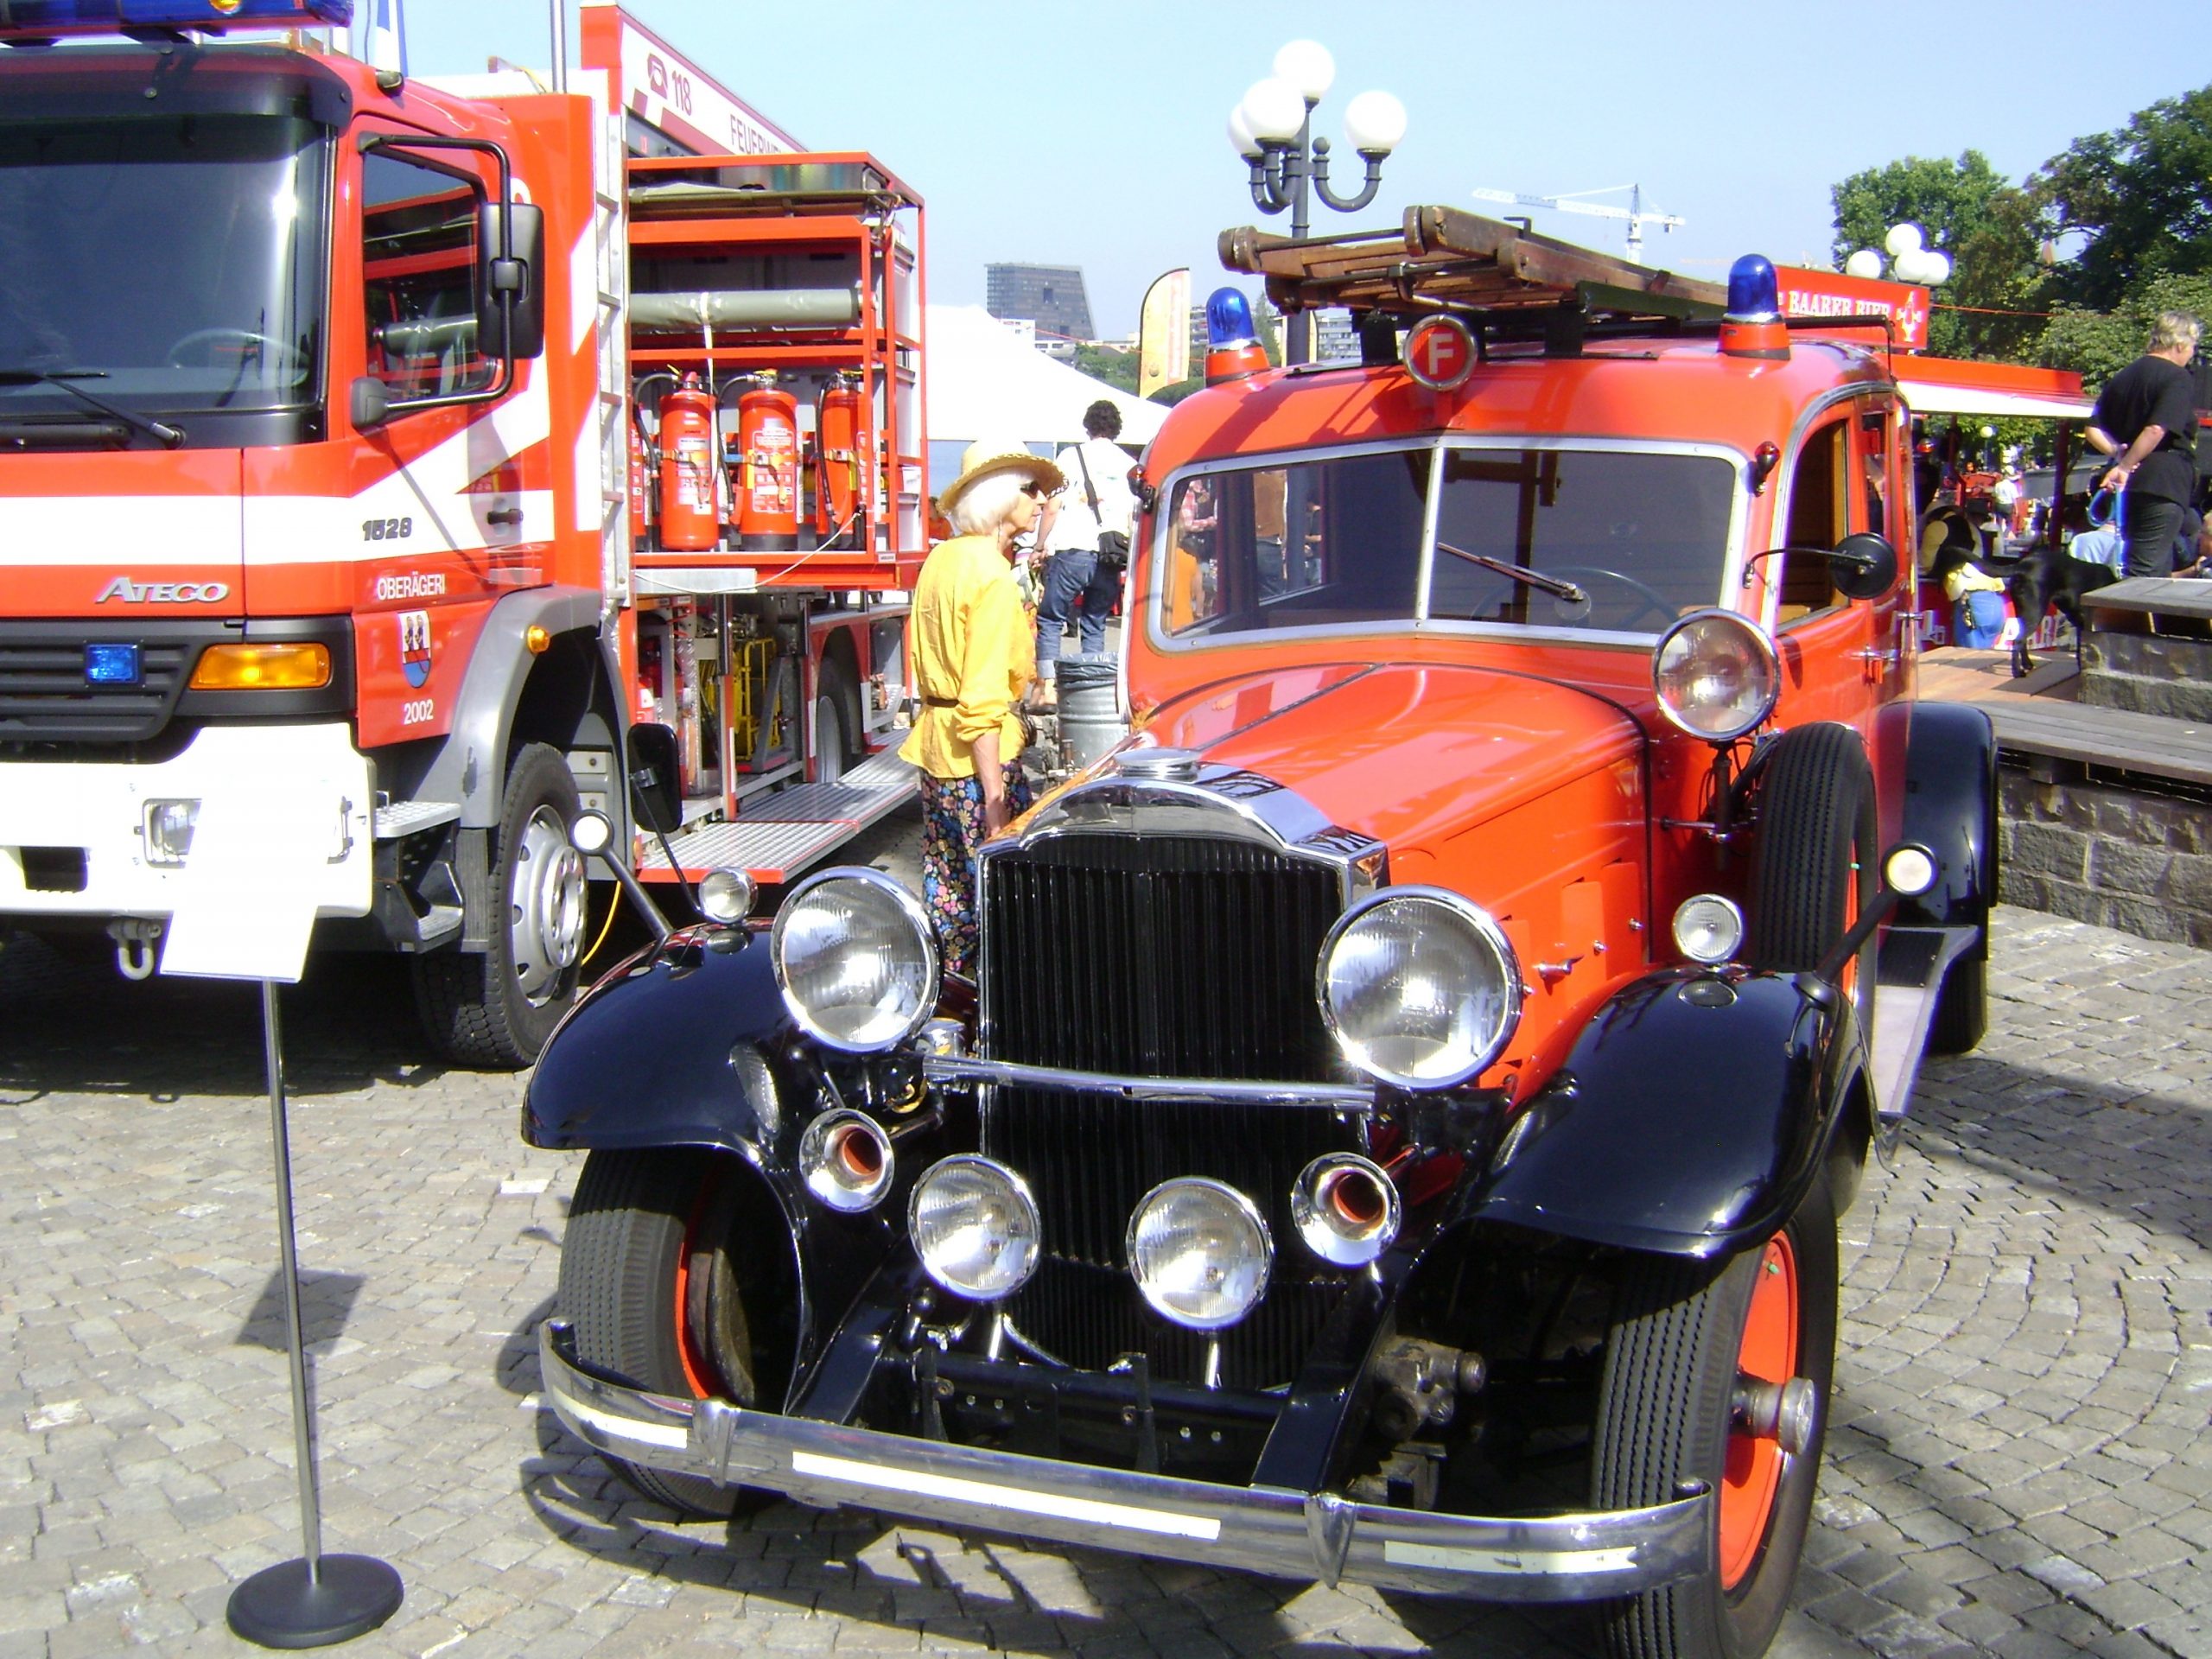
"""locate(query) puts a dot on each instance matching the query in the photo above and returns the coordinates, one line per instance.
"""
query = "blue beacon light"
(1753, 325)
(112, 664)
(1233, 349)
(50, 19)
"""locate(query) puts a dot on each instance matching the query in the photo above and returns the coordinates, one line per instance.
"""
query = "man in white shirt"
(1078, 580)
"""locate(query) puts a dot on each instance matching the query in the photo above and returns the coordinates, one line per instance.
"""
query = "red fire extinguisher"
(687, 469)
(767, 474)
(838, 450)
(640, 480)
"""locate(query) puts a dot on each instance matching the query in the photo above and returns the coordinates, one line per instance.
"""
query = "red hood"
(1410, 754)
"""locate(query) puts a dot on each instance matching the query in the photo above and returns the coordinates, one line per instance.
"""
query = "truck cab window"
(1820, 491)
(419, 264)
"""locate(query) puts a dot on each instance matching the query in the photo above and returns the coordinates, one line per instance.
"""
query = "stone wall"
(2149, 674)
(2142, 863)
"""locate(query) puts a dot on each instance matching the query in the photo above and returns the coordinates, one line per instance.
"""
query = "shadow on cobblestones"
(71, 1024)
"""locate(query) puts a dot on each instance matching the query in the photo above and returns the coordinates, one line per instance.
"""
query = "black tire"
(1816, 863)
(1665, 1418)
(835, 737)
(641, 1222)
(1961, 1009)
(495, 1008)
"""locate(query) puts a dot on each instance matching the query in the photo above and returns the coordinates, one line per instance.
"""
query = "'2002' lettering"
(419, 712)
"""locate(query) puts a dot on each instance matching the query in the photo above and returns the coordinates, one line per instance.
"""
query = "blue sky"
(1093, 135)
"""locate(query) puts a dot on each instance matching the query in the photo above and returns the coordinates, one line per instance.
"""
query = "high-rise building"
(1052, 296)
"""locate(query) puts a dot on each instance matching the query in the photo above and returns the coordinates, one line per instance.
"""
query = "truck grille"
(1183, 957)
(44, 699)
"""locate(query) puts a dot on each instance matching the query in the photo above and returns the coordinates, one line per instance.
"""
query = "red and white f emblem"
(1439, 353)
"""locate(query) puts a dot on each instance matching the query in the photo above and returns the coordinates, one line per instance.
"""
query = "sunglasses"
(1034, 490)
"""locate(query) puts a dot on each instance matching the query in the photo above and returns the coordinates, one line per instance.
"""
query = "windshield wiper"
(65, 380)
(1552, 585)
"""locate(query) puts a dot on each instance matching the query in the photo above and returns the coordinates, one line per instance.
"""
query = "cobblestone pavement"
(2017, 1464)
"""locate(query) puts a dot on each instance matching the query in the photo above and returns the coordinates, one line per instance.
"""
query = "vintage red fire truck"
(1397, 1129)
(436, 448)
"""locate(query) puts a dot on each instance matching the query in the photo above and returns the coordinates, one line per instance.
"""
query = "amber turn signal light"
(263, 668)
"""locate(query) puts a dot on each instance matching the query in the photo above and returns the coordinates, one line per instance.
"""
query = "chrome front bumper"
(1253, 1529)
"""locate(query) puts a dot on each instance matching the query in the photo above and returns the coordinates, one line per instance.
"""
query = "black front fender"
(1950, 807)
(1693, 1115)
(651, 1057)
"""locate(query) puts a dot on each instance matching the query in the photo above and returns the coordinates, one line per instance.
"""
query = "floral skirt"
(952, 829)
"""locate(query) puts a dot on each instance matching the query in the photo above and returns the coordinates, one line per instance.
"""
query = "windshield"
(180, 257)
(1603, 540)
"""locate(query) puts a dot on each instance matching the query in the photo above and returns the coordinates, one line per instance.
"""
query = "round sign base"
(280, 1607)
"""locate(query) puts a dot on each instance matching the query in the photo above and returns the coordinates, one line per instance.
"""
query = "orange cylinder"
(839, 449)
(688, 520)
(767, 469)
(641, 485)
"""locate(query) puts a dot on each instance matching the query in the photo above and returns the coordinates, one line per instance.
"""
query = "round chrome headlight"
(1419, 987)
(1716, 675)
(845, 1160)
(1199, 1253)
(1345, 1209)
(1708, 927)
(855, 960)
(726, 896)
(974, 1227)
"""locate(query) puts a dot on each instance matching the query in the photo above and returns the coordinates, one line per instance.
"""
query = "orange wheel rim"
(1752, 1473)
(696, 1370)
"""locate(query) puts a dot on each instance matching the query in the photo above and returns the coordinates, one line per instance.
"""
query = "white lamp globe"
(1866, 263)
(1937, 265)
(1273, 110)
(1374, 123)
(1910, 266)
(1903, 239)
(1307, 66)
(1240, 135)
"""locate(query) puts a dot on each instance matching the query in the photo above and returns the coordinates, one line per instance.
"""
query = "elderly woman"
(975, 656)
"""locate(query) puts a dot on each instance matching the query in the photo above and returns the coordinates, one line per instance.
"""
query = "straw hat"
(987, 457)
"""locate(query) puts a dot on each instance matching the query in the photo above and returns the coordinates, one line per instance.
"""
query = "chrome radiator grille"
(1183, 957)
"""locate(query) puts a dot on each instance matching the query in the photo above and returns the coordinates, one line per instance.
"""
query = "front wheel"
(650, 1284)
(496, 1008)
(1696, 1358)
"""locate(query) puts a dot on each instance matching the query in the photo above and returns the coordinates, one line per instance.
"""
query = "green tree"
(1116, 369)
(2142, 196)
(2097, 344)
(1988, 227)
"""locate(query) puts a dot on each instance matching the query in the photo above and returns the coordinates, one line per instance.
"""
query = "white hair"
(988, 503)
(2174, 328)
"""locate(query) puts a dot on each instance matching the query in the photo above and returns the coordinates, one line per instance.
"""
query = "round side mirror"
(1865, 565)
(592, 833)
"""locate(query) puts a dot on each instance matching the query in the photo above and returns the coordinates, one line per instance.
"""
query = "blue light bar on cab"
(47, 20)
(1229, 320)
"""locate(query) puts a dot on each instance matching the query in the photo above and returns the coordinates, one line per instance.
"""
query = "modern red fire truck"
(457, 450)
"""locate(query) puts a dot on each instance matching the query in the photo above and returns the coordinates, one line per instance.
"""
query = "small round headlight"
(845, 1160)
(1716, 675)
(854, 959)
(974, 1227)
(726, 896)
(1419, 987)
(1199, 1253)
(1909, 869)
(1708, 927)
(1345, 1209)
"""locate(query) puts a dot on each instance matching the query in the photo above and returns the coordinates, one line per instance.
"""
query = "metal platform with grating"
(781, 834)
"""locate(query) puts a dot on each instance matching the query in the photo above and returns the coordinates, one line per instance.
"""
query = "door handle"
(504, 515)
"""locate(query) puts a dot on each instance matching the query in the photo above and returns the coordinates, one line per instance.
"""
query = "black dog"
(2049, 576)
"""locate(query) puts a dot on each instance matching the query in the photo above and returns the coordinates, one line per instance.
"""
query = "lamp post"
(1273, 130)
(1910, 259)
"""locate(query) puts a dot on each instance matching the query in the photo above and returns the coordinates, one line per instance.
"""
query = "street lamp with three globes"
(1910, 259)
(1272, 129)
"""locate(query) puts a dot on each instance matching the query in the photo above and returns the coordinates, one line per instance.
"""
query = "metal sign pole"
(317, 1599)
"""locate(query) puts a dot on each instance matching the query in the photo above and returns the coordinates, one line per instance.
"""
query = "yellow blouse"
(975, 652)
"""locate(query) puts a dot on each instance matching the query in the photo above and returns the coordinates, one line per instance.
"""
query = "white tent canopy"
(985, 382)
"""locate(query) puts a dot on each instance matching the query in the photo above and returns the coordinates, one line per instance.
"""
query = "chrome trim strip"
(1321, 1535)
(1343, 1098)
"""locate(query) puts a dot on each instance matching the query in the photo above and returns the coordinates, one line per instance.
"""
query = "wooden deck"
(2041, 714)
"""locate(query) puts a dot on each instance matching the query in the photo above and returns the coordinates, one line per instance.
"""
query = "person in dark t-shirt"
(2146, 418)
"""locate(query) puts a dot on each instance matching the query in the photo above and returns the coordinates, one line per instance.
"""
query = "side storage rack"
(1506, 282)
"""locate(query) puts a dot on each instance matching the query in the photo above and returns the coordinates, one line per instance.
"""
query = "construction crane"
(1572, 203)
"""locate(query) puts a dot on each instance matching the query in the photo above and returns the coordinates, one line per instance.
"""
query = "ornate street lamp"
(1911, 260)
(1272, 129)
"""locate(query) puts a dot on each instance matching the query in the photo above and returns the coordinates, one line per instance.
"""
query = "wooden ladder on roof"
(1509, 280)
